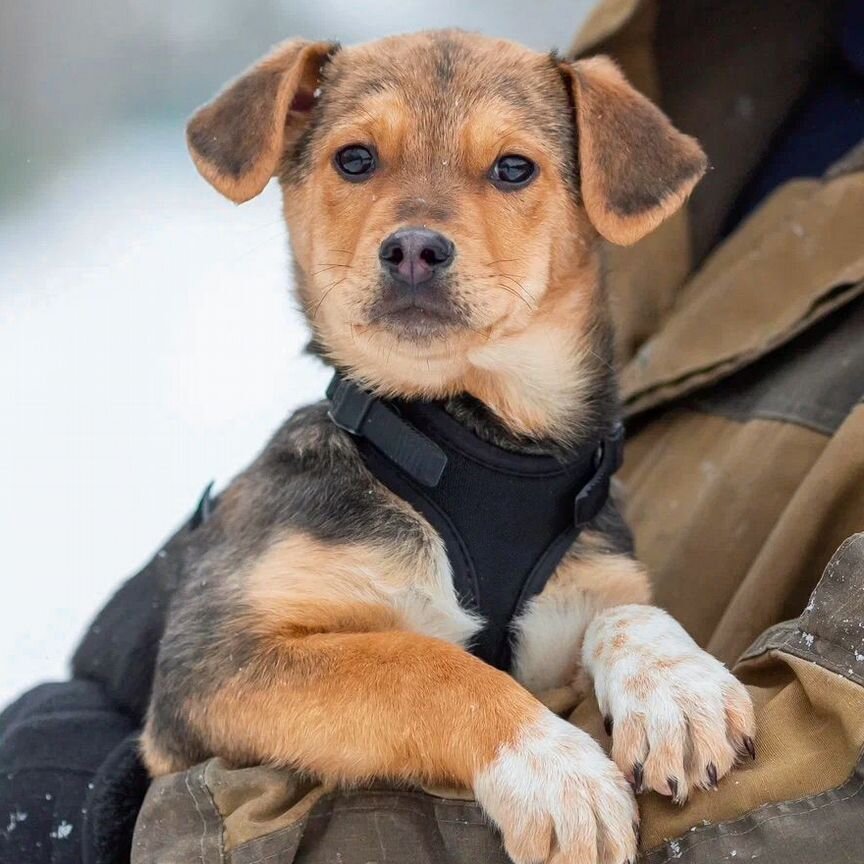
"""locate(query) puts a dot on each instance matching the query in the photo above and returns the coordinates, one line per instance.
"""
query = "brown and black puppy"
(319, 627)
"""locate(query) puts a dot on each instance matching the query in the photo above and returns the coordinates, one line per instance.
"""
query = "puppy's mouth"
(416, 315)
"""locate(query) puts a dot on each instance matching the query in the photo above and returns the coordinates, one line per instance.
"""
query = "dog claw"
(712, 775)
(673, 788)
(750, 746)
(607, 725)
(638, 778)
(637, 830)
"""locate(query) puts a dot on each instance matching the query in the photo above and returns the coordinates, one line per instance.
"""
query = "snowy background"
(148, 342)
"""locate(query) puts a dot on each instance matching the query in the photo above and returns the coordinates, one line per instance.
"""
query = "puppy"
(445, 195)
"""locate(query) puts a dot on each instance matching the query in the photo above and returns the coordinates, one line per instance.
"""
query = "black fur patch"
(448, 55)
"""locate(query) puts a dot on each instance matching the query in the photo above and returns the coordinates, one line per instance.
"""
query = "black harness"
(506, 518)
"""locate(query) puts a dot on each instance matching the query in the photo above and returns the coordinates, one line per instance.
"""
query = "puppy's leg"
(398, 705)
(550, 631)
(679, 718)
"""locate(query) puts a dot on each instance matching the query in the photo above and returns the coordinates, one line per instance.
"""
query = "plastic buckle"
(615, 445)
(590, 499)
(204, 509)
(583, 506)
(349, 405)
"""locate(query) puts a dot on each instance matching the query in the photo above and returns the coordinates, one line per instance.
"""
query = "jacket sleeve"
(71, 781)
(65, 749)
(119, 649)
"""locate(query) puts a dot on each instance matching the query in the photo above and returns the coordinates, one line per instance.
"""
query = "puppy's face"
(443, 192)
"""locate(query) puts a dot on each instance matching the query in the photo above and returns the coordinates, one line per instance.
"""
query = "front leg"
(350, 707)
(312, 664)
(679, 719)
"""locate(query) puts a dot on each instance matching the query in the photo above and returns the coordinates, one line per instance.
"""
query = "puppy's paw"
(679, 719)
(558, 798)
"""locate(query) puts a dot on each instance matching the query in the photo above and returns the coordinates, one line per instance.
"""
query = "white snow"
(62, 831)
(148, 346)
(15, 817)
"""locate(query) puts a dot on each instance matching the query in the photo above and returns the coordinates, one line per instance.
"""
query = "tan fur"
(550, 631)
(155, 760)
(530, 280)
(613, 579)
(302, 586)
(402, 690)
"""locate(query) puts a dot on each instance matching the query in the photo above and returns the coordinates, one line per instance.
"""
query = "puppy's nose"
(413, 256)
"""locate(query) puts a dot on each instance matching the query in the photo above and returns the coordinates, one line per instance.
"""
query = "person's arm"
(65, 751)
(71, 780)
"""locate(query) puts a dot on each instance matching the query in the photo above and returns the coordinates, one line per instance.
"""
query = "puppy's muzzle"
(414, 256)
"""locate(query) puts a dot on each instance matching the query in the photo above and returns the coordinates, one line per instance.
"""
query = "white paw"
(678, 717)
(558, 798)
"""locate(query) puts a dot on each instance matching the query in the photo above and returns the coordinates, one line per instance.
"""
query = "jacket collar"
(796, 259)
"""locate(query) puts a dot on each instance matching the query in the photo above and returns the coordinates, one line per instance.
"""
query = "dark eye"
(512, 172)
(355, 162)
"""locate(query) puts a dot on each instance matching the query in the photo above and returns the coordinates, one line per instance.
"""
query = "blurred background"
(148, 342)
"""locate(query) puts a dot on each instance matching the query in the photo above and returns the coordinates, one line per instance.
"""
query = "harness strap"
(365, 416)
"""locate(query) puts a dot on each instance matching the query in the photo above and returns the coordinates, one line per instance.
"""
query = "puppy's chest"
(505, 520)
(545, 635)
(462, 561)
(405, 566)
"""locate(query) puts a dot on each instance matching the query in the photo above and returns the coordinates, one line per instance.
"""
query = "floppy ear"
(636, 168)
(237, 140)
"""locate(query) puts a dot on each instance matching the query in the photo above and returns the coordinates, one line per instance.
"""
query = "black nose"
(414, 255)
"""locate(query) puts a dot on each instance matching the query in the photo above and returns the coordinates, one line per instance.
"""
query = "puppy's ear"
(237, 140)
(636, 168)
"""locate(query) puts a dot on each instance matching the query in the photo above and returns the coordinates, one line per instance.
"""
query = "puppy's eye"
(355, 162)
(512, 172)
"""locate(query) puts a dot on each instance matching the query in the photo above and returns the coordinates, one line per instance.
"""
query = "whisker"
(327, 267)
(326, 294)
(366, 112)
(508, 288)
(515, 293)
(513, 278)
(486, 336)
(521, 288)
(507, 133)
(501, 261)
(605, 362)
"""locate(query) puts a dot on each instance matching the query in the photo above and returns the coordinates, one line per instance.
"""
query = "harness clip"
(593, 494)
(349, 406)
